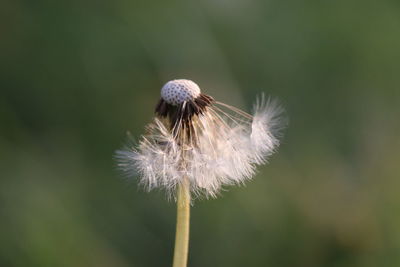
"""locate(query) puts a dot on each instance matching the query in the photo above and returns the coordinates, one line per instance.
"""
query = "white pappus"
(197, 140)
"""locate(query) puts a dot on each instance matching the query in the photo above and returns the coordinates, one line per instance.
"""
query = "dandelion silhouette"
(196, 145)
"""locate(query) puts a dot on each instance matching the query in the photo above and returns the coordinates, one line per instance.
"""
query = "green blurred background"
(75, 76)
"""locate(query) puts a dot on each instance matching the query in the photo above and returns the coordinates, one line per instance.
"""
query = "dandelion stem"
(182, 226)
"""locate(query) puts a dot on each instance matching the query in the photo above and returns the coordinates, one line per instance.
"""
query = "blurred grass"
(76, 75)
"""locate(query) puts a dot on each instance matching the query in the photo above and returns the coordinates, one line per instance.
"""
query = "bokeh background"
(75, 76)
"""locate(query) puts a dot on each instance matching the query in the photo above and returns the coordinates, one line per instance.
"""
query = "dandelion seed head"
(202, 142)
(176, 92)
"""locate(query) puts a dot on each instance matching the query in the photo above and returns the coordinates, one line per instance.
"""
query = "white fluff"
(230, 143)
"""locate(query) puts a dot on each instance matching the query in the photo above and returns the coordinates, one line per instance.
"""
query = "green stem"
(182, 226)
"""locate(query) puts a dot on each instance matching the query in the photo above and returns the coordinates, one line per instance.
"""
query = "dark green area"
(75, 76)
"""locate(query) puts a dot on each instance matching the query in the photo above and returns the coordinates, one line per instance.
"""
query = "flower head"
(197, 140)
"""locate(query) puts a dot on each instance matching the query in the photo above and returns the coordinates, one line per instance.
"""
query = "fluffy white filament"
(228, 145)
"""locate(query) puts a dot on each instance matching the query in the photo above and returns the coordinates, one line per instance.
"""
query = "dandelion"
(196, 145)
